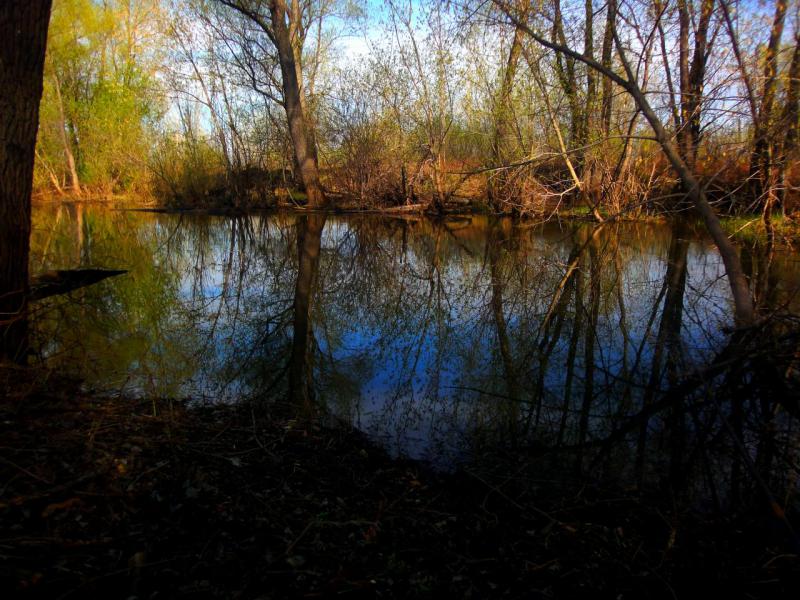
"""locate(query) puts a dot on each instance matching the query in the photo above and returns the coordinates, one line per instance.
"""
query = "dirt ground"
(115, 498)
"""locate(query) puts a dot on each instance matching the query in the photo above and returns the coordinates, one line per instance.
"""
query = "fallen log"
(405, 208)
(53, 283)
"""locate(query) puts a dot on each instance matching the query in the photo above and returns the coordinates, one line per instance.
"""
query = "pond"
(438, 339)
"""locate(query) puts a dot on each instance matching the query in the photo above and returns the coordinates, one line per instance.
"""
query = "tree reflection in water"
(443, 341)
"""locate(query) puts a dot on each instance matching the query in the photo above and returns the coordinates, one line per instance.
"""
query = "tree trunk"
(791, 113)
(68, 155)
(692, 77)
(23, 38)
(697, 77)
(539, 80)
(761, 162)
(305, 150)
(608, 47)
(684, 142)
(50, 173)
(503, 112)
(591, 84)
(565, 69)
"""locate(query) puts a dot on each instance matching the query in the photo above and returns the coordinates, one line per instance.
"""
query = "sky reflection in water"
(431, 337)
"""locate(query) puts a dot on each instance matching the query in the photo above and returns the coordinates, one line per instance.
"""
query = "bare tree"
(743, 301)
(284, 27)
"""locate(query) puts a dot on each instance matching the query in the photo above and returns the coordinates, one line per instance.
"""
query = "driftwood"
(405, 208)
(52, 283)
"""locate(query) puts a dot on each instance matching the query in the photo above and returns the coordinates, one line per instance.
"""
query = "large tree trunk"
(23, 38)
(305, 150)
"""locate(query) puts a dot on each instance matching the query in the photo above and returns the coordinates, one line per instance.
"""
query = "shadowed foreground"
(125, 499)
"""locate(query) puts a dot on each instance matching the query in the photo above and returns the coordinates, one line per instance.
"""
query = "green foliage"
(100, 97)
(750, 228)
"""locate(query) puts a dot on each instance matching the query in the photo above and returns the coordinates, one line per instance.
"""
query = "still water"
(434, 338)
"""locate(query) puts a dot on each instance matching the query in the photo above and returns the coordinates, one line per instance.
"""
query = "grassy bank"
(750, 228)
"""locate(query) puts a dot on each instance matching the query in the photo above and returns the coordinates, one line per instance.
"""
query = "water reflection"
(301, 361)
(438, 339)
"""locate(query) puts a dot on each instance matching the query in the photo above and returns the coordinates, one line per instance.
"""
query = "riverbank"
(744, 228)
(740, 225)
(120, 498)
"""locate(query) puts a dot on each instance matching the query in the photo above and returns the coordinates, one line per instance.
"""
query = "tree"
(284, 27)
(100, 99)
(502, 115)
(692, 75)
(23, 39)
(764, 146)
(682, 165)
